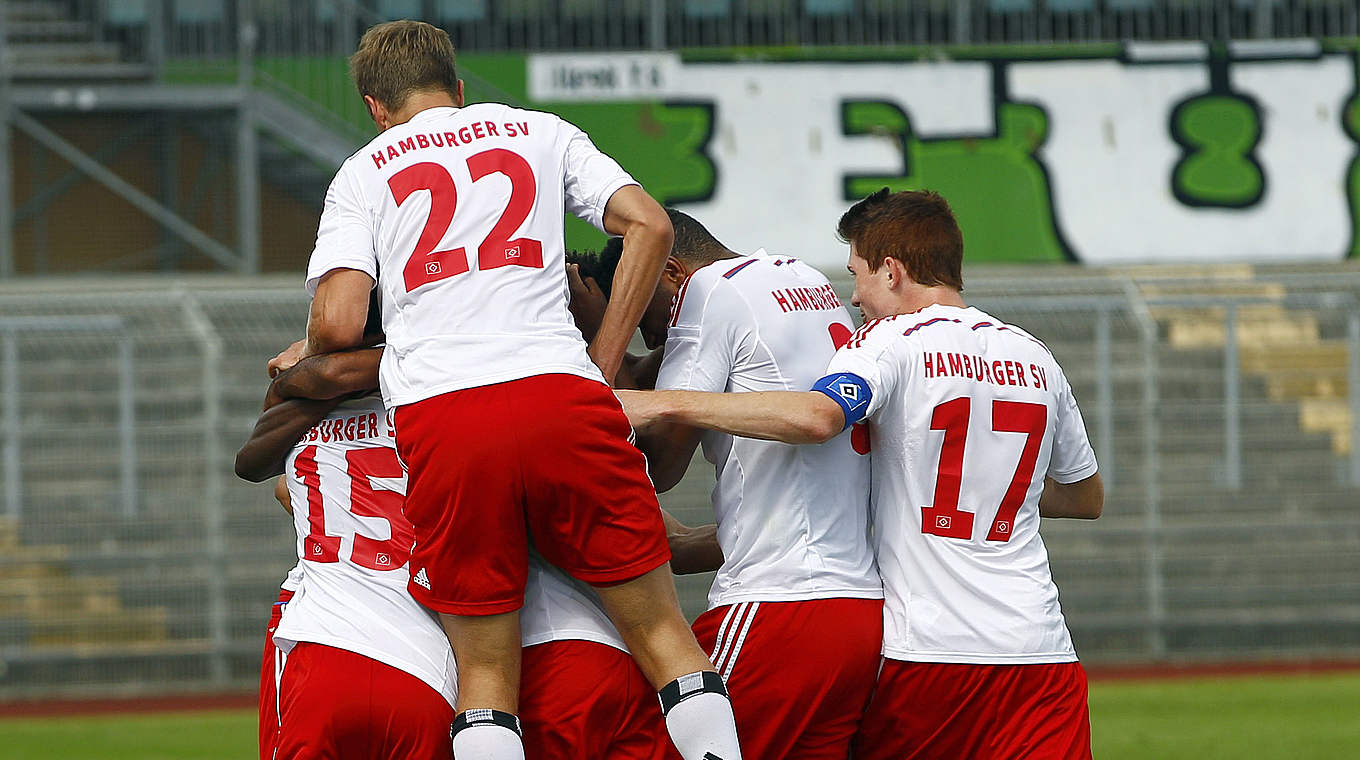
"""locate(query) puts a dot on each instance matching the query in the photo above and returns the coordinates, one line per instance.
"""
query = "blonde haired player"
(504, 417)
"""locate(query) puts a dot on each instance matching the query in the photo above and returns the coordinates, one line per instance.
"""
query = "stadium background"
(1165, 190)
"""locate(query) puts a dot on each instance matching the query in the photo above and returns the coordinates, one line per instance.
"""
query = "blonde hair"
(399, 58)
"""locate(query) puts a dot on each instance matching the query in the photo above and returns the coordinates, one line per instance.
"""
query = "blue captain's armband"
(850, 391)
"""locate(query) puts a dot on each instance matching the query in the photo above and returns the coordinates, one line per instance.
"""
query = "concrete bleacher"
(1266, 568)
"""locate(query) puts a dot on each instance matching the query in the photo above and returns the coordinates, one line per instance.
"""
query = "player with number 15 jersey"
(363, 663)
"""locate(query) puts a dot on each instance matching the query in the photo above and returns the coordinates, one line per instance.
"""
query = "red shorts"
(548, 457)
(926, 710)
(269, 674)
(799, 673)
(581, 701)
(336, 704)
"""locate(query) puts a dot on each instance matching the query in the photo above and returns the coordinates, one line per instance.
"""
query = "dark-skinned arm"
(669, 448)
(693, 550)
(298, 399)
(327, 376)
(276, 431)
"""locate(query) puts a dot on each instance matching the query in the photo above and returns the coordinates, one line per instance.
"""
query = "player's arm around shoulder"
(787, 416)
(298, 399)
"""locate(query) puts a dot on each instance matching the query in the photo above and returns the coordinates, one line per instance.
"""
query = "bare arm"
(297, 400)
(339, 312)
(788, 416)
(645, 368)
(693, 550)
(276, 431)
(647, 237)
(327, 376)
(281, 494)
(669, 448)
(1082, 500)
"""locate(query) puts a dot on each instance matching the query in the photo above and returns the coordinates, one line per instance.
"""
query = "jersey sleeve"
(344, 238)
(1073, 458)
(591, 179)
(701, 343)
(871, 357)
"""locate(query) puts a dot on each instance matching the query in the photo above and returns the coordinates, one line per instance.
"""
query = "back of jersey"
(792, 520)
(458, 215)
(346, 486)
(969, 415)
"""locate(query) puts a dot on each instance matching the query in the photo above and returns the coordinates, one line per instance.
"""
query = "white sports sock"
(699, 718)
(485, 738)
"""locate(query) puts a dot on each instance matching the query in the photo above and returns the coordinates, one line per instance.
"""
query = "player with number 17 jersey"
(361, 660)
(969, 416)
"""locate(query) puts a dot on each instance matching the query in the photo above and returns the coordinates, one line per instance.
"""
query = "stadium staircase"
(303, 142)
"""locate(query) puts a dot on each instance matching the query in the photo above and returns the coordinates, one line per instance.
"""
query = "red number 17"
(944, 518)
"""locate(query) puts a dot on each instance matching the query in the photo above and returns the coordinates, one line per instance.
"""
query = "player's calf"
(487, 651)
(693, 697)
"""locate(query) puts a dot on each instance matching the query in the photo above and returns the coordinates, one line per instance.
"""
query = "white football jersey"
(792, 520)
(293, 579)
(557, 607)
(967, 415)
(347, 487)
(458, 216)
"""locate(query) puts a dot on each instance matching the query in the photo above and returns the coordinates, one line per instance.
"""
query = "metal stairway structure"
(53, 66)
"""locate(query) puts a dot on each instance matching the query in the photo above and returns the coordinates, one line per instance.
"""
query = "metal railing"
(154, 31)
(1182, 388)
(12, 330)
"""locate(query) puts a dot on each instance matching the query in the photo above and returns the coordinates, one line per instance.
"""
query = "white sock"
(482, 738)
(699, 717)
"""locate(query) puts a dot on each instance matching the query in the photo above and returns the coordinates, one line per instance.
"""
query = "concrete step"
(53, 72)
(34, 10)
(36, 597)
(48, 31)
(42, 53)
(100, 628)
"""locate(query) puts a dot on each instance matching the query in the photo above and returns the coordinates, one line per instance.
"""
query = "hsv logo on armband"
(848, 390)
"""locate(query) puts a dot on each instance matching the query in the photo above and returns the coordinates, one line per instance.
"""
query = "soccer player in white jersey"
(795, 618)
(581, 694)
(504, 416)
(363, 669)
(976, 435)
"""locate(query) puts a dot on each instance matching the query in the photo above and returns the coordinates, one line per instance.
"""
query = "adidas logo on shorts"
(422, 579)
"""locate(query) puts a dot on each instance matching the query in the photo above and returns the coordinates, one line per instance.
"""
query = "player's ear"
(458, 96)
(377, 111)
(894, 272)
(674, 270)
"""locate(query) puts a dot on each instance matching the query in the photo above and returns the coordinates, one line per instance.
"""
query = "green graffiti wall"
(1185, 153)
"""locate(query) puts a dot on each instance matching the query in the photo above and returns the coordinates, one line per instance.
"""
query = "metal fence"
(152, 31)
(1224, 411)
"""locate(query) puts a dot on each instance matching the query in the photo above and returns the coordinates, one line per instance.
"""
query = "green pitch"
(1257, 717)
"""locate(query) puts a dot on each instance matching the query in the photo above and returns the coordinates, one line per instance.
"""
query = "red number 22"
(426, 265)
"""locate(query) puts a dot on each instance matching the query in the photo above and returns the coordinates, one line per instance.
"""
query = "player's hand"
(587, 302)
(286, 359)
(642, 408)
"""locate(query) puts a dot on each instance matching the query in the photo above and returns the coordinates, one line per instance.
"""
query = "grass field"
(1310, 716)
